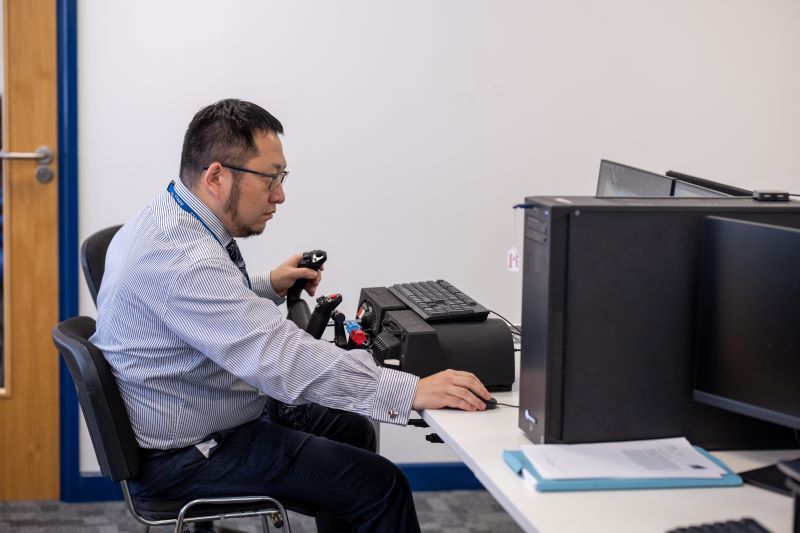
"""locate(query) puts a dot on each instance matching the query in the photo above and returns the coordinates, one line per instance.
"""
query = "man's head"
(233, 161)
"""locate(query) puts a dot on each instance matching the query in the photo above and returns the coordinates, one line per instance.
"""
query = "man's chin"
(243, 232)
(254, 231)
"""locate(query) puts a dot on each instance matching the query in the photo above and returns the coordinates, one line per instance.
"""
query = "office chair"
(93, 258)
(118, 451)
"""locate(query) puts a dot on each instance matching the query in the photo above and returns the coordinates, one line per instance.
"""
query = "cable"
(508, 405)
(510, 324)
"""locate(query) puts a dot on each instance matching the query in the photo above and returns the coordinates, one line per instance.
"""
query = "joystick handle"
(322, 313)
(339, 337)
(313, 260)
(297, 308)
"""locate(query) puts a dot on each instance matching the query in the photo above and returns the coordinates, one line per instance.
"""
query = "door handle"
(43, 154)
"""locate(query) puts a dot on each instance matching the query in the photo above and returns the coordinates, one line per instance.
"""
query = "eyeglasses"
(273, 179)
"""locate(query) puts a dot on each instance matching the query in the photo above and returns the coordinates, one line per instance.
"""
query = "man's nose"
(277, 196)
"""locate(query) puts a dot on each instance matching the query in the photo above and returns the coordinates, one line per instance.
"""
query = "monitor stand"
(769, 478)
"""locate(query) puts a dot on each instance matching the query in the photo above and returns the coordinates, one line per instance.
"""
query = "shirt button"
(393, 413)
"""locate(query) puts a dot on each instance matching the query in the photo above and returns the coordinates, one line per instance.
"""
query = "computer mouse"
(491, 403)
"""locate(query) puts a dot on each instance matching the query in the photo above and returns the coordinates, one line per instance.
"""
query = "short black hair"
(223, 132)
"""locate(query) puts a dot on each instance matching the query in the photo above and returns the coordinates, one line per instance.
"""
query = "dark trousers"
(331, 465)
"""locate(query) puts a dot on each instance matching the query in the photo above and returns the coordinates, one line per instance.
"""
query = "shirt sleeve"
(208, 307)
(263, 287)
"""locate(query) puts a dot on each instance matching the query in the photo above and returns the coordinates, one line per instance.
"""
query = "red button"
(358, 337)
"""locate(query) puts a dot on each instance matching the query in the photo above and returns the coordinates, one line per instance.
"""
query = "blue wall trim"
(440, 476)
(74, 487)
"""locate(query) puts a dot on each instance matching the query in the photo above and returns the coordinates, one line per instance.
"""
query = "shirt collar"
(202, 211)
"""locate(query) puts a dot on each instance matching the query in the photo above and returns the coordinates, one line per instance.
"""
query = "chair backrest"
(93, 258)
(109, 426)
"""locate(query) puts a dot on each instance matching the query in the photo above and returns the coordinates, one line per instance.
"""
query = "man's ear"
(214, 182)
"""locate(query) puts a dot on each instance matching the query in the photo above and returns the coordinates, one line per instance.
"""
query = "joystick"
(298, 311)
(339, 336)
(313, 260)
(322, 313)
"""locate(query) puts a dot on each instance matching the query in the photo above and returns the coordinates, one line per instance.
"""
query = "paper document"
(656, 458)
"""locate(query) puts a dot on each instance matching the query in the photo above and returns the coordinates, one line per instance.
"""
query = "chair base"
(202, 509)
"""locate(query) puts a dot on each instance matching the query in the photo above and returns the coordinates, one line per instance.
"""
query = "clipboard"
(516, 460)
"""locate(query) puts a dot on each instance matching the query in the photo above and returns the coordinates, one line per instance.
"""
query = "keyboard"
(439, 301)
(745, 525)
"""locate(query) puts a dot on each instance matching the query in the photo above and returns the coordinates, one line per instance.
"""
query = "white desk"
(479, 439)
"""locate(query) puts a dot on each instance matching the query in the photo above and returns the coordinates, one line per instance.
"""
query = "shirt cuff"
(394, 396)
(263, 287)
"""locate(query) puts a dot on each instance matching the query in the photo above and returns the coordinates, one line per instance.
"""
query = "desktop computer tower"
(609, 321)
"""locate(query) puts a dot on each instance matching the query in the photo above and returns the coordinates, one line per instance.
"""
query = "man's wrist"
(394, 396)
(262, 285)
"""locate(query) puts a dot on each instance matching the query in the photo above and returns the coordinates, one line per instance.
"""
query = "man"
(198, 344)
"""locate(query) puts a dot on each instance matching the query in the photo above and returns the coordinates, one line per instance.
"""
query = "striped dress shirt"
(195, 351)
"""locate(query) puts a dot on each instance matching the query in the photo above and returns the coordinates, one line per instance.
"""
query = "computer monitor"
(618, 180)
(748, 341)
(721, 189)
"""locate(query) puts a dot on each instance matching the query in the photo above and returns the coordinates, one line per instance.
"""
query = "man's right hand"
(284, 276)
(450, 388)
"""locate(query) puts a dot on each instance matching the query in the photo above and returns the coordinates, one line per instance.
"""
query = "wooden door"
(29, 397)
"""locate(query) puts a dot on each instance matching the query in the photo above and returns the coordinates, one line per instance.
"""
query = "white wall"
(412, 127)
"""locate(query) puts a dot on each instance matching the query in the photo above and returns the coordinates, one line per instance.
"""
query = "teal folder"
(517, 461)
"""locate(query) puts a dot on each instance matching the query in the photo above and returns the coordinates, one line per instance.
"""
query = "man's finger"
(471, 382)
(307, 273)
(467, 397)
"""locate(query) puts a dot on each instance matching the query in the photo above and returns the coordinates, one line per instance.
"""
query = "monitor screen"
(748, 335)
(617, 180)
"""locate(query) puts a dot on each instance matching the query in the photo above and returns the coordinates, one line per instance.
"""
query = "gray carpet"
(438, 512)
